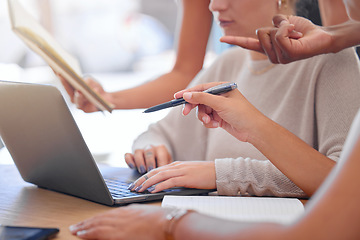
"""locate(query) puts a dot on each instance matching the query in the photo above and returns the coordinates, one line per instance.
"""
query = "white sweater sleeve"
(256, 177)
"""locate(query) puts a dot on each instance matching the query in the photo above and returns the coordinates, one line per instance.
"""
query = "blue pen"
(219, 89)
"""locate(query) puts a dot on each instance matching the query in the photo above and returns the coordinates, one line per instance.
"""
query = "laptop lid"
(48, 149)
(45, 143)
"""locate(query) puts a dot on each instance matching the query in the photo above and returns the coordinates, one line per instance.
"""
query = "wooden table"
(24, 204)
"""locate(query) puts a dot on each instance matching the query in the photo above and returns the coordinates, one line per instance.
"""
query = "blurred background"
(106, 36)
(122, 43)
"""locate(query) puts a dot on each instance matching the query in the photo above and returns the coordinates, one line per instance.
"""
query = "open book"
(41, 42)
(245, 209)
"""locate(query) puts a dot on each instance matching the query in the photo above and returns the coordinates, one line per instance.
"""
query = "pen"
(219, 89)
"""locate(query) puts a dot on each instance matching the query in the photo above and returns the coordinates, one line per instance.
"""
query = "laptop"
(49, 151)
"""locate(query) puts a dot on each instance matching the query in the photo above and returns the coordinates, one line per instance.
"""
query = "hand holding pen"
(215, 90)
(230, 111)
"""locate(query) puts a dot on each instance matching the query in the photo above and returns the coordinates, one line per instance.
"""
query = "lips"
(225, 23)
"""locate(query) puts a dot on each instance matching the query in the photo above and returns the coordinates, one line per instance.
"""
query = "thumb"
(280, 19)
(285, 36)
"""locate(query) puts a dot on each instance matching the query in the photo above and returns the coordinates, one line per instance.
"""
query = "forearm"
(344, 35)
(191, 51)
(333, 213)
(153, 92)
(197, 226)
(302, 164)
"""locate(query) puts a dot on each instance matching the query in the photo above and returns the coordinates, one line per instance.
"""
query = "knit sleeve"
(255, 177)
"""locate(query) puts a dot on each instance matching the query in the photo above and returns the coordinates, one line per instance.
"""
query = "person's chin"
(229, 32)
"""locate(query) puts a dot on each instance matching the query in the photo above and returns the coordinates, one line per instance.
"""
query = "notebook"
(245, 209)
(49, 151)
(41, 42)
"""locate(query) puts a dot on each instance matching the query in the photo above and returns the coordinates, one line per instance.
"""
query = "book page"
(245, 209)
(21, 20)
(42, 43)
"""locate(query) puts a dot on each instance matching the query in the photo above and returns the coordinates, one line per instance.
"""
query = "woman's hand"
(79, 99)
(292, 38)
(231, 111)
(149, 158)
(190, 174)
(131, 222)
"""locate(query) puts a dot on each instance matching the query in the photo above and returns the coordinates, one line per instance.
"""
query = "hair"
(308, 9)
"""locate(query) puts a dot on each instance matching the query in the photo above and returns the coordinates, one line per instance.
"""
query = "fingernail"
(73, 228)
(80, 233)
(204, 119)
(142, 169)
(151, 189)
(131, 186)
(131, 165)
(138, 188)
(150, 168)
(215, 124)
(187, 95)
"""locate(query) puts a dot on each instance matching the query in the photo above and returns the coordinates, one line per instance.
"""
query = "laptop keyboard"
(119, 188)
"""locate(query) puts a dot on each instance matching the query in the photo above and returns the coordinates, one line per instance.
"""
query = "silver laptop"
(48, 149)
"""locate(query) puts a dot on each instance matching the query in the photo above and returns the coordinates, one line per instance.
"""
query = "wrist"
(343, 35)
(116, 99)
(173, 217)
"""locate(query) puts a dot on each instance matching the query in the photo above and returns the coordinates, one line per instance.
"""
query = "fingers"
(139, 160)
(275, 48)
(280, 19)
(208, 105)
(276, 42)
(213, 101)
(79, 99)
(94, 228)
(161, 181)
(68, 88)
(178, 174)
(171, 182)
(82, 102)
(149, 180)
(264, 36)
(283, 39)
(205, 115)
(163, 157)
(144, 160)
(198, 88)
(129, 159)
(244, 42)
(149, 155)
(187, 108)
